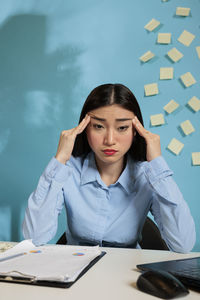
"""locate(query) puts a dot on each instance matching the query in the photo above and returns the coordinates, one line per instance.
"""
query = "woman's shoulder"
(76, 162)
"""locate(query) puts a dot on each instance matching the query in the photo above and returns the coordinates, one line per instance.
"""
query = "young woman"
(109, 173)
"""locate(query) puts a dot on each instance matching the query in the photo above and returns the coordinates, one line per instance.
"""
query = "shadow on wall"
(36, 93)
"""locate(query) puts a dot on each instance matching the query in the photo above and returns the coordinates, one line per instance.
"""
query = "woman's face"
(110, 133)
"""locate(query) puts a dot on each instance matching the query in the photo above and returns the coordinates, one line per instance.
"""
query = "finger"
(83, 124)
(140, 128)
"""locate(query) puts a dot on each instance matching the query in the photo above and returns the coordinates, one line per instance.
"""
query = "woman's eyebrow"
(103, 120)
(123, 119)
(96, 118)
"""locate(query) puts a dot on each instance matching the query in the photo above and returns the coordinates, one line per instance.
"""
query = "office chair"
(151, 237)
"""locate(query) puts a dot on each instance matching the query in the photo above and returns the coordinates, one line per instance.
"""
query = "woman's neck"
(110, 172)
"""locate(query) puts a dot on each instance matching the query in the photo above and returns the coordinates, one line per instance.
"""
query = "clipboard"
(57, 284)
(48, 265)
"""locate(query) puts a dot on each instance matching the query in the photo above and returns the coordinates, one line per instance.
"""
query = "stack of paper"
(175, 146)
(198, 51)
(147, 56)
(166, 73)
(171, 106)
(164, 38)
(187, 127)
(151, 89)
(175, 55)
(183, 11)
(194, 103)
(186, 38)
(188, 79)
(196, 158)
(60, 263)
(157, 119)
(153, 24)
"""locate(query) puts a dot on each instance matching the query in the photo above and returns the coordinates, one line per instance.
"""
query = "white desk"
(113, 277)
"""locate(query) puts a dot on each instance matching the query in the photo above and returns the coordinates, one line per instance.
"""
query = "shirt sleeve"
(46, 203)
(169, 209)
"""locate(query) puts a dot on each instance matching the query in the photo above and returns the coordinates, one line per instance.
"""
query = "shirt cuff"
(57, 171)
(157, 169)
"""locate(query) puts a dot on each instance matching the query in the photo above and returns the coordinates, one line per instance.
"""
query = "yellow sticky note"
(171, 106)
(183, 11)
(175, 55)
(196, 158)
(164, 38)
(175, 146)
(151, 89)
(187, 127)
(147, 56)
(157, 120)
(153, 24)
(186, 38)
(166, 73)
(198, 51)
(194, 103)
(188, 79)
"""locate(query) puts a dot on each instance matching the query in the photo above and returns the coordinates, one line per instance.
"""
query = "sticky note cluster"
(187, 79)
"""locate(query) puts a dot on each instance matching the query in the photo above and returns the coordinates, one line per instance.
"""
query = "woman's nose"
(109, 137)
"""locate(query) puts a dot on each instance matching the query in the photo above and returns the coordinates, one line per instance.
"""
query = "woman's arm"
(45, 204)
(169, 209)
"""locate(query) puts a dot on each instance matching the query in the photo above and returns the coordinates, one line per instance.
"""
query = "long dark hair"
(105, 95)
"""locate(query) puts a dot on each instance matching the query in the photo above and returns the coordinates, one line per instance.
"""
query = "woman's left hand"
(152, 140)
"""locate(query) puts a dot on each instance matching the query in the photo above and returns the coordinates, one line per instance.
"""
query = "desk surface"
(113, 277)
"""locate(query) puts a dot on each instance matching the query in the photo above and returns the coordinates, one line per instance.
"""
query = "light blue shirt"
(115, 213)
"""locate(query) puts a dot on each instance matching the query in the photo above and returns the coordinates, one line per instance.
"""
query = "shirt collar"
(126, 179)
(90, 173)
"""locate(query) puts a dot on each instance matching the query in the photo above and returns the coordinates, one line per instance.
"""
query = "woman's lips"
(109, 151)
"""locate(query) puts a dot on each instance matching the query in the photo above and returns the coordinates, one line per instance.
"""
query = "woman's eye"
(97, 126)
(123, 128)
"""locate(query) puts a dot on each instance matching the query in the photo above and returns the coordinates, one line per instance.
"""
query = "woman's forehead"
(111, 112)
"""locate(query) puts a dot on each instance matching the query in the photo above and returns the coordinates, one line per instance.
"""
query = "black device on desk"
(161, 284)
(187, 270)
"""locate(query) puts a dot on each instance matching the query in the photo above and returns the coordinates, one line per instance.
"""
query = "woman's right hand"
(67, 139)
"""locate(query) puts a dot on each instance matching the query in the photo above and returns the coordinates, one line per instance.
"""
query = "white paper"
(50, 262)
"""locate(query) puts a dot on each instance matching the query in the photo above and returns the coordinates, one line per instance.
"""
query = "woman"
(109, 173)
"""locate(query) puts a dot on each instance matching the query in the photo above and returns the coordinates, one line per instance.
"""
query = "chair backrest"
(62, 240)
(151, 237)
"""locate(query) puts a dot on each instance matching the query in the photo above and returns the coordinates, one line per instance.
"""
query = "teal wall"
(52, 53)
